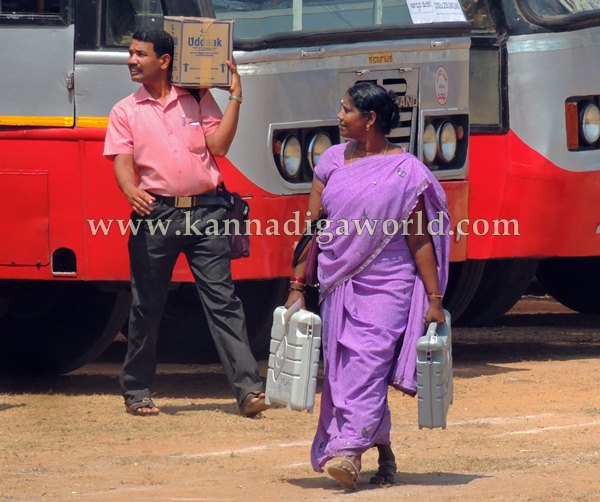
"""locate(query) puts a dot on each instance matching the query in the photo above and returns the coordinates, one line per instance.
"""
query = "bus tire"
(573, 282)
(52, 327)
(502, 284)
(184, 334)
(463, 281)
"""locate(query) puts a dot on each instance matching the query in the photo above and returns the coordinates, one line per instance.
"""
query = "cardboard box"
(202, 45)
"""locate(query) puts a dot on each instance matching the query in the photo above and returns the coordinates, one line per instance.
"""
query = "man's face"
(144, 65)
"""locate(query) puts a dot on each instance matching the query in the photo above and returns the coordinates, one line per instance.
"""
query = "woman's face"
(352, 121)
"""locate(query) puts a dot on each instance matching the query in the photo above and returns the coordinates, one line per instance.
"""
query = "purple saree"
(373, 302)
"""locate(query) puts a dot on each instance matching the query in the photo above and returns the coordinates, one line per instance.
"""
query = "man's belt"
(187, 201)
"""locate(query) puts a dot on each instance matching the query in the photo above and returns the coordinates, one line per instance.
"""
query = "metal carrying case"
(434, 374)
(293, 358)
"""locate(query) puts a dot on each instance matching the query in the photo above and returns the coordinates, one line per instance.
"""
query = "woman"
(378, 287)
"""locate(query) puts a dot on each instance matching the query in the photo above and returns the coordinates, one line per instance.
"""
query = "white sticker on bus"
(433, 11)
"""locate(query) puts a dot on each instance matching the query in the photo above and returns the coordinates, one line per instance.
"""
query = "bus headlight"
(590, 123)
(446, 142)
(290, 158)
(317, 145)
(430, 144)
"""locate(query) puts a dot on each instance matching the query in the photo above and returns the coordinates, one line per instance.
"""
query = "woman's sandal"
(137, 408)
(346, 473)
(385, 475)
(253, 404)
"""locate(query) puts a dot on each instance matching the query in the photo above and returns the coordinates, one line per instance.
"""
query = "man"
(161, 141)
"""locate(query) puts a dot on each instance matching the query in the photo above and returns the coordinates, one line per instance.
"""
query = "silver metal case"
(293, 359)
(434, 374)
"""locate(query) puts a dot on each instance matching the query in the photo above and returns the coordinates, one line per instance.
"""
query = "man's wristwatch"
(235, 98)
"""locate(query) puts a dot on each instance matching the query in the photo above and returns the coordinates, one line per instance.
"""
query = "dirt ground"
(524, 426)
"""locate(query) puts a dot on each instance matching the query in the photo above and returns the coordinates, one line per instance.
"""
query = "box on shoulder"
(202, 45)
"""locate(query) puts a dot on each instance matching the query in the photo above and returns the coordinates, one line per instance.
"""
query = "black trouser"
(152, 259)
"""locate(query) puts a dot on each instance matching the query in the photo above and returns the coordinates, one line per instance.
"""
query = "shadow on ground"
(187, 384)
(421, 479)
(529, 336)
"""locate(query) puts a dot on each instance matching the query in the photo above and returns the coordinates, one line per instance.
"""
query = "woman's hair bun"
(370, 97)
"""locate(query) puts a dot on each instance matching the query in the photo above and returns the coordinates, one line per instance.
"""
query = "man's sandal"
(145, 407)
(346, 473)
(385, 475)
(253, 404)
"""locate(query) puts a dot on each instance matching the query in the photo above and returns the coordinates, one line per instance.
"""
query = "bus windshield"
(256, 19)
(562, 9)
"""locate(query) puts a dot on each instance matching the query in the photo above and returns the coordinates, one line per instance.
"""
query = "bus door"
(37, 37)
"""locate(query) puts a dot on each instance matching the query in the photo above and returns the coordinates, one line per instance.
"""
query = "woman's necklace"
(368, 153)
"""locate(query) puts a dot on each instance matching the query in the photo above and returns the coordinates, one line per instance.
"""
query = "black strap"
(306, 238)
(222, 191)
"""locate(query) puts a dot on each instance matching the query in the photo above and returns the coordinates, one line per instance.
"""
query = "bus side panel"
(556, 210)
(43, 182)
(25, 225)
(457, 193)
(36, 66)
(277, 223)
(83, 210)
(107, 214)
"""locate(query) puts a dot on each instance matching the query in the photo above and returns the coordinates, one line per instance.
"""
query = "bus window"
(478, 14)
(255, 19)
(125, 17)
(484, 91)
(485, 61)
(30, 7)
(560, 8)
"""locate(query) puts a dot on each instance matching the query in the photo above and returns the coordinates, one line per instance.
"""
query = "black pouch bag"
(237, 211)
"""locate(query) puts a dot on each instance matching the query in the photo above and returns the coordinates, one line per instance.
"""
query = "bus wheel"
(573, 282)
(260, 298)
(184, 334)
(50, 327)
(501, 286)
(462, 284)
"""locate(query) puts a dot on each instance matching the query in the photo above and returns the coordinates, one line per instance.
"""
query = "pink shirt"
(168, 144)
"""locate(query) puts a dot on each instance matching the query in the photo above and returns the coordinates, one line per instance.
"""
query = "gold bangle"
(233, 97)
(434, 295)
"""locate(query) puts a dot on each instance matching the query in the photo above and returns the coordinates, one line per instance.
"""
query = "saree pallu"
(373, 302)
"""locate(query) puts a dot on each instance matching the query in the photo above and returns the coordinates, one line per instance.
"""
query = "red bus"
(63, 256)
(534, 156)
